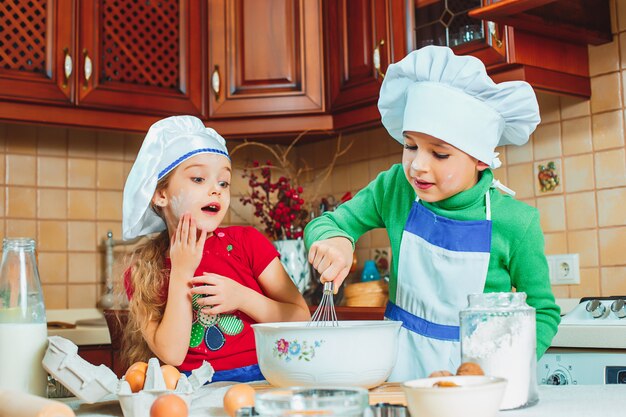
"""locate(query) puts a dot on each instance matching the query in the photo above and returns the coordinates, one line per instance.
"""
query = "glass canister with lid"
(311, 402)
(498, 333)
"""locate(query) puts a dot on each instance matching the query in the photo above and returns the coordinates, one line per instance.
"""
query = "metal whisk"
(325, 314)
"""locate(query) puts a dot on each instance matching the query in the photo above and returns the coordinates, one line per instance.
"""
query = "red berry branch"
(278, 204)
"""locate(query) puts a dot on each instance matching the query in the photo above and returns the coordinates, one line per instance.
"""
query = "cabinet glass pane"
(23, 35)
(445, 23)
(141, 42)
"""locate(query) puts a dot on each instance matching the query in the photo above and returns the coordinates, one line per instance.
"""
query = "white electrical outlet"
(564, 269)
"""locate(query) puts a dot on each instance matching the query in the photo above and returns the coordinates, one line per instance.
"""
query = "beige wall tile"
(520, 154)
(20, 228)
(552, 211)
(612, 208)
(612, 280)
(585, 243)
(81, 143)
(132, 144)
(561, 291)
(608, 130)
(577, 136)
(581, 210)
(365, 241)
(589, 284)
(606, 92)
(52, 267)
(52, 235)
(380, 239)
(110, 145)
(51, 171)
(240, 214)
(21, 202)
(55, 296)
(556, 243)
(102, 228)
(610, 168)
(572, 107)
(3, 173)
(359, 151)
(52, 141)
(81, 173)
(521, 179)
(547, 141)
(21, 139)
(378, 165)
(238, 184)
(109, 205)
(549, 108)
(81, 236)
(359, 175)
(612, 244)
(340, 179)
(110, 175)
(81, 204)
(604, 58)
(51, 203)
(3, 202)
(82, 296)
(578, 173)
(82, 268)
(21, 170)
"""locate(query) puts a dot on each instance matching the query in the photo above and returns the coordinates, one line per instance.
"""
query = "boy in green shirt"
(452, 232)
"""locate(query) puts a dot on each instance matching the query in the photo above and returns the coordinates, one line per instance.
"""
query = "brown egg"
(440, 373)
(470, 368)
(170, 375)
(135, 379)
(143, 366)
(238, 396)
(169, 405)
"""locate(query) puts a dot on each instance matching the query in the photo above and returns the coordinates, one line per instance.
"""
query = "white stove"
(590, 346)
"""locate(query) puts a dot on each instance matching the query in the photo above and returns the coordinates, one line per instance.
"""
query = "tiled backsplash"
(64, 186)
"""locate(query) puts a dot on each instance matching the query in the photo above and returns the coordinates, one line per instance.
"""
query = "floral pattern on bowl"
(288, 350)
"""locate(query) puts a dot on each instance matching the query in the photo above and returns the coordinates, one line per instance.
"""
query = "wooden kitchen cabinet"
(548, 60)
(265, 58)
(362, 38)
(132, 56)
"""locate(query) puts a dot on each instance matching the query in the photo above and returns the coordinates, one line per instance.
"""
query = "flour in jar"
(504, 346)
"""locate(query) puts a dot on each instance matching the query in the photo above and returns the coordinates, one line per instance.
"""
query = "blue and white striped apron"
(441, 261)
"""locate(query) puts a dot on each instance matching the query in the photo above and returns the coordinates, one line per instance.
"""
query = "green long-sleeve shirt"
(517, 247)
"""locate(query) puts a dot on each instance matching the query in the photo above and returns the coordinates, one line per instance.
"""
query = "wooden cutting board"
(389, 392)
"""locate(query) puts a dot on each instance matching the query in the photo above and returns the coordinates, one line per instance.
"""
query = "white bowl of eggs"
(353, 353)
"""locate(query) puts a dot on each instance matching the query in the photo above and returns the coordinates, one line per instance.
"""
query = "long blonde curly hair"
(148, 278)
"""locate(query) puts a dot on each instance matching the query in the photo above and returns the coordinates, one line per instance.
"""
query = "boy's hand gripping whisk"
(325, 314)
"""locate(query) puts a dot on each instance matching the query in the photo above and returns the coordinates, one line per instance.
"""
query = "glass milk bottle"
(498, 333)
(23, 332)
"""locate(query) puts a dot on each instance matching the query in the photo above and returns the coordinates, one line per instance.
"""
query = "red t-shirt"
(226, 340)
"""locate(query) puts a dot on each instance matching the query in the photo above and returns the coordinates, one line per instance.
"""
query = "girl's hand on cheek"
(185, 247)
(221, 294)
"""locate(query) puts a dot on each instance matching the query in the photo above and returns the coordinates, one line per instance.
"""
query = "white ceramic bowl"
(475, 396)
(355, 353)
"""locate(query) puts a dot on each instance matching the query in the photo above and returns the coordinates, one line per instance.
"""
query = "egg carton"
(92, 383)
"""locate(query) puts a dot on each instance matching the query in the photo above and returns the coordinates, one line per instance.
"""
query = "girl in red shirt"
(195, 288)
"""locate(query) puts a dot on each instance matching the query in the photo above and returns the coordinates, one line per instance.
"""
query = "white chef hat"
(169, 142)
(450, 97)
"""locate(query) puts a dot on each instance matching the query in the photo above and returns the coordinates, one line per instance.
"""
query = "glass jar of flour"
(498, 333)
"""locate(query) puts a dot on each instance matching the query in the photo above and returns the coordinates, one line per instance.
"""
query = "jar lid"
(497, 300)
(311, 401)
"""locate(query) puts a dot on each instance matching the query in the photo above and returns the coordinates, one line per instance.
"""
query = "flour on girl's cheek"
(180, 204)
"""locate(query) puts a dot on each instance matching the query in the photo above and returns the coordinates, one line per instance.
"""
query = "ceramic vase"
(294, 258)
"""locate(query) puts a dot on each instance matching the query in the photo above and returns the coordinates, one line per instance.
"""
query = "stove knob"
(618, 308)
(596, 308)
(557, 378)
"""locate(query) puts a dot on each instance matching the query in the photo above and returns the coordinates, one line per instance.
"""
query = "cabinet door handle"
(67, 66)
(493, 31)
(376, 58)
(215, 81)
(88, 68)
